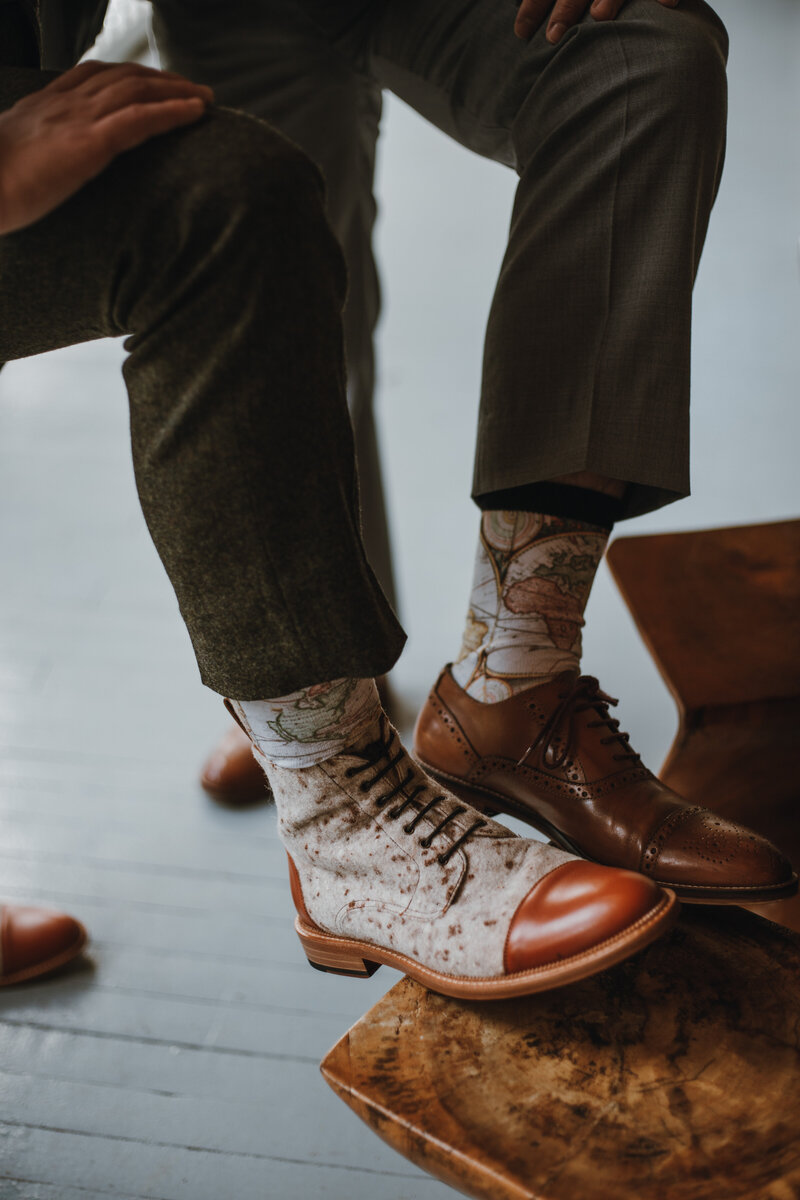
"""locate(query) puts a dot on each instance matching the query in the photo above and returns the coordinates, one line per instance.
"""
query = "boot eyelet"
(364, 787)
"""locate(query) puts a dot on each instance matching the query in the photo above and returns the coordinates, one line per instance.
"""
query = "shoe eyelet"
(407, 828)
(364, 787)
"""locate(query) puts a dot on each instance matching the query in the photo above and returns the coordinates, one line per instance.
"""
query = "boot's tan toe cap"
(35, 940)
(573, 909)
(699, 849)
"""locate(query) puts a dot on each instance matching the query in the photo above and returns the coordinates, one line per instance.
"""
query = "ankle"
(311, 725)
(533, 574)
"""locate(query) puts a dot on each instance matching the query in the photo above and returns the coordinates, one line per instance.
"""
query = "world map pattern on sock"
(533, 575)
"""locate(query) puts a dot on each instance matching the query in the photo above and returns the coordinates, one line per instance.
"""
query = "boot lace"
(557, 735)
(384, 748)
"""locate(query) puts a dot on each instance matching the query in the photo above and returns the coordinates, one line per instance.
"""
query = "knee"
(680, 56)
(227, 199)
(237, 167)
(248, 195)
(655, 71)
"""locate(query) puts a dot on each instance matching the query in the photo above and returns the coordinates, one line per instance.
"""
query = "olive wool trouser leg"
(617, 135)
(271, 60)
(209, 249)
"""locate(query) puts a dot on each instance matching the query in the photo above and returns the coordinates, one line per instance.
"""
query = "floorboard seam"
(75, 1187)
(140, 905)
(295, 1162)
(137, 867)
(249, 1005)
(233, 1051)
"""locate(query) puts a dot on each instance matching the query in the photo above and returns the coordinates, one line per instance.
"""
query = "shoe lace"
(557, 735)
(382, 749)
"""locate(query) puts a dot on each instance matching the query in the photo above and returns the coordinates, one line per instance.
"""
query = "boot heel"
(330, 955)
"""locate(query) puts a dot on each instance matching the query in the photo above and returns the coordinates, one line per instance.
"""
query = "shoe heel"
(328, 954)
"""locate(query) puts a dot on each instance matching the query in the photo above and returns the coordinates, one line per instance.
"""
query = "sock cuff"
(557, 500)
(306, 727)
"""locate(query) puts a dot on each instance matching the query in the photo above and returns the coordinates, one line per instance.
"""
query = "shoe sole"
(493, 803)
(50, 964)
(349, 956)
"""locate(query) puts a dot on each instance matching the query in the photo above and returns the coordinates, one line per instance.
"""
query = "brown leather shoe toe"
(231, 773)
(736, 863)
(34, 941)
(575, 909)
(554, 756)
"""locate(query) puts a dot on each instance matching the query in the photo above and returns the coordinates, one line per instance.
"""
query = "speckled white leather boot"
(387, 868)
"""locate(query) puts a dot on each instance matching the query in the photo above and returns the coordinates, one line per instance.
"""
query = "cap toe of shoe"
(700, 849)
(574, 909)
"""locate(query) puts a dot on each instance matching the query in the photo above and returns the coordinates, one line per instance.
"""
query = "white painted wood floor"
(179, 1061)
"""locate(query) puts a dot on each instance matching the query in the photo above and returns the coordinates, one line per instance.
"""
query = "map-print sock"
(311, 725)
(533, 574)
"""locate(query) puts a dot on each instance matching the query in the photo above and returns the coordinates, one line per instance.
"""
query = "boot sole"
(349, 956)
(493, 803)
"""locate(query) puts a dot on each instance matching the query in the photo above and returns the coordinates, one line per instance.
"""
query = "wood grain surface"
(719, 609)
(674, 1076)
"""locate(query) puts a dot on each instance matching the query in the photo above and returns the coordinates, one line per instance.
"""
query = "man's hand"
(532, 14)
(55, 140)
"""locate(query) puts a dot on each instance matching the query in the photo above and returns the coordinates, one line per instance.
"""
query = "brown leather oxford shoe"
(35, 941)
(553, 756)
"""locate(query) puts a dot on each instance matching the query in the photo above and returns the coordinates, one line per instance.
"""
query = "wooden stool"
(719, 611)
(674, 1076)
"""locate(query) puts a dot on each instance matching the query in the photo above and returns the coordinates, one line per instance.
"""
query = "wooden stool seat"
(720, 612)
(674, 1076)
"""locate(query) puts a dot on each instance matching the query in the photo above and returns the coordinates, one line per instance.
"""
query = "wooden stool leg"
(720, 613)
